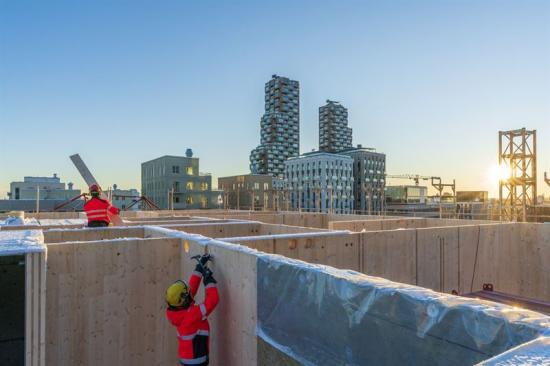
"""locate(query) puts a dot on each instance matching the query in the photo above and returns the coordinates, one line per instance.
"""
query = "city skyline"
(428, 84)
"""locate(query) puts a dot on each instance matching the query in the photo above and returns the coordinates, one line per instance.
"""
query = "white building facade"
(44, 188)
(319, 182)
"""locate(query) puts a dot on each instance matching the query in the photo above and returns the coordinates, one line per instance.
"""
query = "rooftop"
(296, 288)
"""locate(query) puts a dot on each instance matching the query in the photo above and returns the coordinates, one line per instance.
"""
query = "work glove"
(204, 259)
(207, 276)
(201, 263)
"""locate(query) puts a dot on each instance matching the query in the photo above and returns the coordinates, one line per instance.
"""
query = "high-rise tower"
(334, 133)
(280, 127)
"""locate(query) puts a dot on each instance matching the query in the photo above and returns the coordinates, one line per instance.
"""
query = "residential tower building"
(334, 133)
(279, 127)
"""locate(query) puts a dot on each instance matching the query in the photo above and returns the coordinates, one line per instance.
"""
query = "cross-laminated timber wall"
(105, 302)
(233, 323)
(512, 257)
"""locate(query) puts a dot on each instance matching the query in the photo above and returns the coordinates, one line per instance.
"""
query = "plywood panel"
(222, 230)
(105, 302)
(437, 259)
(338, 250)
(478, 246)
(528, 256)
(390, 254)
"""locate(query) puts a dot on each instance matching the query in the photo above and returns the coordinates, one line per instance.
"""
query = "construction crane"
(414, 177)
(435, 182)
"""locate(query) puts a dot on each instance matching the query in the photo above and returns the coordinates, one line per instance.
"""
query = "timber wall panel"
(92, 234)
(390, 254)
(340, 250)
(105, 303)
(270, 229)
(233, 323)
(437, 259)
(220, 230)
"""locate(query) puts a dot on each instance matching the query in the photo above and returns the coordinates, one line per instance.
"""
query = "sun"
(499, 172)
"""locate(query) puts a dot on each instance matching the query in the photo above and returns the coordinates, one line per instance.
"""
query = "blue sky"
(429, 83)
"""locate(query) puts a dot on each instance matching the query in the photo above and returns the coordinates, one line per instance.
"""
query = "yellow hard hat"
(177, 294)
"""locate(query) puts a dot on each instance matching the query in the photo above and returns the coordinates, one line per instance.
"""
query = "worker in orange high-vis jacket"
(98, 210)
(190, 318)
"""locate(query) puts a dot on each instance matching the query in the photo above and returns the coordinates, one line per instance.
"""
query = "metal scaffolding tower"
(517, 155)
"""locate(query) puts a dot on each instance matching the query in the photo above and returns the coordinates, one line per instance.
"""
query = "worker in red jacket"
(97, 209)
(190, 318)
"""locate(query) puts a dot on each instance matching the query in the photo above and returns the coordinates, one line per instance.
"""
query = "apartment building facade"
(369, 173)
(175, 182)
(319, 182)
(247, 192)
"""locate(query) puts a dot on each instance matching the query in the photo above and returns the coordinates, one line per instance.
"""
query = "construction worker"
(190, 318)
(98, 210)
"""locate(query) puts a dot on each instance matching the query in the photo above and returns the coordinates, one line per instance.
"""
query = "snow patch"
(59, 222)
(19, 242)
(18, 221)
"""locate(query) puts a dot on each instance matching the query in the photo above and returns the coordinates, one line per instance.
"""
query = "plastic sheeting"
(533, 353)
(324, 316)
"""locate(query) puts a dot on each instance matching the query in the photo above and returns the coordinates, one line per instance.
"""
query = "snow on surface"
(17, 242)
(55, 222)
(536, 352)
(18, 221)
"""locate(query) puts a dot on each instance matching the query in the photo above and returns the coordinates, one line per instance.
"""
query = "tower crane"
(435, 182)
(415, 177)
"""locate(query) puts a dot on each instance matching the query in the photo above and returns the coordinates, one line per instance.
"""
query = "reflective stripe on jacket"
(98, 209)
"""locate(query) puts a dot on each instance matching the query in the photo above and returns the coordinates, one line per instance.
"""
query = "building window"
(256, 186)
(189, 200)
(177, 199)
(204, 186)
(189, 170)
(266, 186)
(189, 185)
(175, 169)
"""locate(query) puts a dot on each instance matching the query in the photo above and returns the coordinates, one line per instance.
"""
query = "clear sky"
(429, 83)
